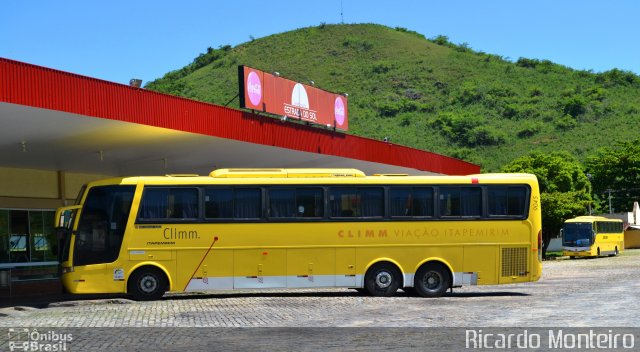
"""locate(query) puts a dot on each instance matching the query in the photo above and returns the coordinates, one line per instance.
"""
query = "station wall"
(40, 189)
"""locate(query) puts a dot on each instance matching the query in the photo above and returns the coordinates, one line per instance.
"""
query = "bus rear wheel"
(432, 280)
(147, 284)
(382, 280)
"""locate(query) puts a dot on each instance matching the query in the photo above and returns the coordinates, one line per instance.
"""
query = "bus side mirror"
(60, 220)
(64, 218)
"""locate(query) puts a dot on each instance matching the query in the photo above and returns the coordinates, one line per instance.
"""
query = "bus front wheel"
(432, 280)
(382, 280)
(147, 284)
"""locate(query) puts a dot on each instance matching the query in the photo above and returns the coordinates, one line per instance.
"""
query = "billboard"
(280, 96)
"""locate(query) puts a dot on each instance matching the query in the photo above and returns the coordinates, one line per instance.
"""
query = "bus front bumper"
(79, 280)
(577, 251)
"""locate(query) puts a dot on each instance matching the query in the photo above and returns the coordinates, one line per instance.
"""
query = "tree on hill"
(617, 169)
(564, 187)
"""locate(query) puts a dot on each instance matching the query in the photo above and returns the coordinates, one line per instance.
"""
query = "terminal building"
(61, 130)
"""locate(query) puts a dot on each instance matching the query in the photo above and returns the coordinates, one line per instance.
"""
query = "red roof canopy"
(44, 88)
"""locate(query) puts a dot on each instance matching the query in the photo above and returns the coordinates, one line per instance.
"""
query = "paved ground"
(598, 292)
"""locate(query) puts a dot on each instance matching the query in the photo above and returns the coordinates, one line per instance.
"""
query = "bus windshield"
(577, 234)
(101, 224)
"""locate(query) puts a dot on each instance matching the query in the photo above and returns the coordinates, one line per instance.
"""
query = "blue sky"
(117, 40)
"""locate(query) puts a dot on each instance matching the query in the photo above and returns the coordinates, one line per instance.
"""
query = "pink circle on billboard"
(254, 88)
(339, 112)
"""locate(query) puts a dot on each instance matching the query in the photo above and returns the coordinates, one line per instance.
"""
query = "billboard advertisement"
(283, 97)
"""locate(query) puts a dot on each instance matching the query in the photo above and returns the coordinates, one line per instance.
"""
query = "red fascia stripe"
(40, 87)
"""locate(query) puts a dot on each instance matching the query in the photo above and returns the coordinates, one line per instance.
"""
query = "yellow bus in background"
(592, 236)
(302, 228)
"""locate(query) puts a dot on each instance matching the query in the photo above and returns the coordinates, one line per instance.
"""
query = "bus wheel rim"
(432, 281)
(148, 284)
(383, 279)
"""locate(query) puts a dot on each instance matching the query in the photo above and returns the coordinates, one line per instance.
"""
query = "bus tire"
(615, 252)
(147, 284)
(572, 257)
(598, 251)
(432, 280)
(382, 280)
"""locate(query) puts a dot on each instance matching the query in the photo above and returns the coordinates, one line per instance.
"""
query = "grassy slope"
(438, 97)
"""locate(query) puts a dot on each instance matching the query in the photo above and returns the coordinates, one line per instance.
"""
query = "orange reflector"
(474, 180)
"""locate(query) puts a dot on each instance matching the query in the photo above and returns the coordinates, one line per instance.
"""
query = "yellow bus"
(301, 228)
(592, 236)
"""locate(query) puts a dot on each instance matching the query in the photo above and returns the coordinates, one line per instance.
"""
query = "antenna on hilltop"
(341, 13)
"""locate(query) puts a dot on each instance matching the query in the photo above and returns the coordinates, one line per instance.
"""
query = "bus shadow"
(268, 294)
(486, 294)
(340, 294)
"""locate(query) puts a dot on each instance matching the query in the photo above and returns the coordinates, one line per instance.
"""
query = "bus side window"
(247, 203)
(498, 201)
(233, 203)
(422, 201)
(400, 200)
(411, 201)
(169, 203)
(608, 227)
(516, 198)
(154, 203)
(218, 203)
(184, 203)
(460, 201)
(364, 202)
(299, 202)
(507, 201)
(282, 203)
(310, 202)
(372, 201)
(343, 202)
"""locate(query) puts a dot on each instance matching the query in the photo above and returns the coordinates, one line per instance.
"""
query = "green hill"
(431, 94)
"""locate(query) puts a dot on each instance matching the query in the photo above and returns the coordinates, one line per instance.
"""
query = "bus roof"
(591, 218)
(285, 173)
(315, 176)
